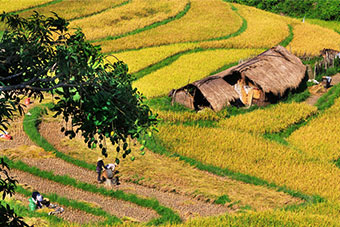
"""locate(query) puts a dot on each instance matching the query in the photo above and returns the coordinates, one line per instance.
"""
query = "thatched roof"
(214, 89)
(275, 70)
(217, 91)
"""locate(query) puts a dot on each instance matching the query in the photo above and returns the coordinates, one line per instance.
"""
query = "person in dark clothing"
(100, 167)
(37, 198)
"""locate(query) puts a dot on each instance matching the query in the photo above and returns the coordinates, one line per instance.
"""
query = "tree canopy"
(39, 55)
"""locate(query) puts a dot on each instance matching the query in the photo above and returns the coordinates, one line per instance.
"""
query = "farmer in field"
(100, 167)
(110, 173)
(35, 201)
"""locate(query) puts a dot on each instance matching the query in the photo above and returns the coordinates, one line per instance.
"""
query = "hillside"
(272, 166)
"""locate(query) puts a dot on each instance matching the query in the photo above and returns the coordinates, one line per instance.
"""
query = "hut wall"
(184, 98)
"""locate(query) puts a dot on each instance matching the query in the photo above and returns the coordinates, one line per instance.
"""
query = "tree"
(39, 55)
(7, 187)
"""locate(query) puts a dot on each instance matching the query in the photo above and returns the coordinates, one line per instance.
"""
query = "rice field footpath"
(135, 15)
(198, 24)
(76, 9)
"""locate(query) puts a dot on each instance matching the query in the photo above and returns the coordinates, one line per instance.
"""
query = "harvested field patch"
(113, 206)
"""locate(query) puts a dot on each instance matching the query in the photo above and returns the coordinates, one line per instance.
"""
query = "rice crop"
(309, 39)
(255, 156)
(14, 5)
(198, 24)
(71, 9)
(335, 25)
(319, 139)
(205, 114)
(140, 59)
(320, 214)
(189, 68)
(270, 120)
(264, 30)
(137, 14)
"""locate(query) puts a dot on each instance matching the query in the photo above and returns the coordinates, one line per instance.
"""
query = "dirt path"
(113, 206)
(315, 97)
(69, 214)
(186, 206)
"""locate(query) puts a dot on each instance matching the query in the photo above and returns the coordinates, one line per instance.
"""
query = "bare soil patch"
(113, 206)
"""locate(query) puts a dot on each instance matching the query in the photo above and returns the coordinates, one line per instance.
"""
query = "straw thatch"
(273, 72)
(211, 91)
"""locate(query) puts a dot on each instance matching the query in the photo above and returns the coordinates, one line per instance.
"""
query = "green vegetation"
(319, 9)
(31, 123)
(327, 100)
(289, 37)
(223, 199)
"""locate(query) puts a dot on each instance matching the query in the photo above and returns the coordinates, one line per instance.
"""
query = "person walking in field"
(99, 168)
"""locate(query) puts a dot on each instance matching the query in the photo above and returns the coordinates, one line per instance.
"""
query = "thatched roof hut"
(213, 92)
(271, 73)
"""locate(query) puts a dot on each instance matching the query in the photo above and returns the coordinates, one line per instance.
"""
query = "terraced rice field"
(276, 166)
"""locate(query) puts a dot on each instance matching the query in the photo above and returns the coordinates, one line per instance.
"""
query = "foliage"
(319, 9)
(31, 122)
(7, 187)
(39, 55)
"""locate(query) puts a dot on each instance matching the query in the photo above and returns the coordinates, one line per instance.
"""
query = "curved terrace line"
(321, 104)
(37, 6)
(154, 145)
(148, 27)
(101, 11)
(30, 128)
(167, 215)
(242, 28)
